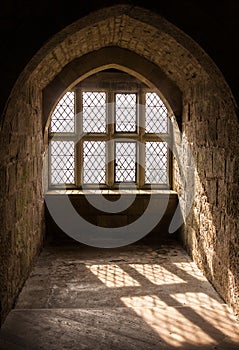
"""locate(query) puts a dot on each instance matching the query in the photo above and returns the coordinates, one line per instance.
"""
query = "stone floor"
(135, 297)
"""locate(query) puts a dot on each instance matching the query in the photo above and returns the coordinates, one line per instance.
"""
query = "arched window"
(110, 130)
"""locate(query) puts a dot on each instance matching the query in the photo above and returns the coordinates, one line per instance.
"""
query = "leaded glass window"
(156, 162)
(125, 114)
(156, 114)
(62, 162)
(89, 125)
(94, 162)
(62, 119)
(125, 161)
(94, 111)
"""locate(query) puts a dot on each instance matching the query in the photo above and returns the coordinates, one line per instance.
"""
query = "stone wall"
(155, 234)
(209, 124)
(21, 202)
(210, 233)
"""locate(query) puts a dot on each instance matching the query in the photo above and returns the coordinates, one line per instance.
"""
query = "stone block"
(209, 163)
(219, 162)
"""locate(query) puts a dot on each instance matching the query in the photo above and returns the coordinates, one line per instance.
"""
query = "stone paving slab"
(135, 297)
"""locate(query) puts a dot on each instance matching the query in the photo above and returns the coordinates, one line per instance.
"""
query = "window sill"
(111, 192)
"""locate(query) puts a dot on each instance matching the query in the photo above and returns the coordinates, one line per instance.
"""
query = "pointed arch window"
(103, 137)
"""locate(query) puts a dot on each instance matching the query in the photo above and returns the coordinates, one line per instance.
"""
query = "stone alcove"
(208, 120)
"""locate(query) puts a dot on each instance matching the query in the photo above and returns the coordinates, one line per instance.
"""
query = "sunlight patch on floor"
(113, 276)
(216, 313)
(157, 274)
(191, 269)
(168, 322)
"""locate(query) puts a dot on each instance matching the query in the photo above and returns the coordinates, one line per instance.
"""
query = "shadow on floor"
(134, 297)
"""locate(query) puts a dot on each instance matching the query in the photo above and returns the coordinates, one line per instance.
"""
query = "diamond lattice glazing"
(125, 161)
(63, 117)
(94, 162)
(125, 112)
(156, 160)
(156, 114)
(94, 111)
(62, 162)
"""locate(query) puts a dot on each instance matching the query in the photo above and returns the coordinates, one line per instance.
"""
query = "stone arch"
(111, 57)
(178, 58)
(206, 103)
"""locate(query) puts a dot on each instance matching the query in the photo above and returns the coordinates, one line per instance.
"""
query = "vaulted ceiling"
(26, 25)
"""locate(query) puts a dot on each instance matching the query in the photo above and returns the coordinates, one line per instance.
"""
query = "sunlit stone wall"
(210, 233)
(209, 124)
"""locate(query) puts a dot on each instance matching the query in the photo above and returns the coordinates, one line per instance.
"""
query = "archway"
(206, 104)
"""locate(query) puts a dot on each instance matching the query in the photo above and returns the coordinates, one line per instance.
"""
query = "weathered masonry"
(154, 52)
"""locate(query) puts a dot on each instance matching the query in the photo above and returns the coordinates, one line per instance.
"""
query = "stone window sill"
(110, 192)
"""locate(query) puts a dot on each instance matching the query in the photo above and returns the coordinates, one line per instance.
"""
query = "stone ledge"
(110, 192)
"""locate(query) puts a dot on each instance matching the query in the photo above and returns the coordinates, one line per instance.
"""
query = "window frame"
(111, 136)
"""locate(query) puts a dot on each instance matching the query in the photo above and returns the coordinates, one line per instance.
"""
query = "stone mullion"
(79, 141)
(170, 154)
(141, 131)
(110, 143)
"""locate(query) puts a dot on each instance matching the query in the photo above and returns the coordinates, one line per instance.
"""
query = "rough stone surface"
(211, 229)
(136, 297)
(21, 202)
(158, 233)
(209, 124)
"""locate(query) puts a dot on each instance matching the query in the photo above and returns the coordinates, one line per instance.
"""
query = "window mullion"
(50, 166)
(149, 142)
(141, 129)
(79, 143)
(170, 142)
(110, 143)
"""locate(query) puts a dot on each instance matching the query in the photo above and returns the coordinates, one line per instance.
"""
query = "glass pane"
(156, 163)
(156, 114)
(62, 119)
(62, 162)
(125, 161)
(94, 112)
(94, 162)
(125, 112)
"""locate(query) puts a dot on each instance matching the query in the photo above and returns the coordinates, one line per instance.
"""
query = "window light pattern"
(125, 161)
(170, 324)
(157, 274)
(221, 318)
(113, 276)
(156, 163)
(63, 117)
(156, 114)
(125, 112)
(94, 111)
(62, 162)
(94, 162)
